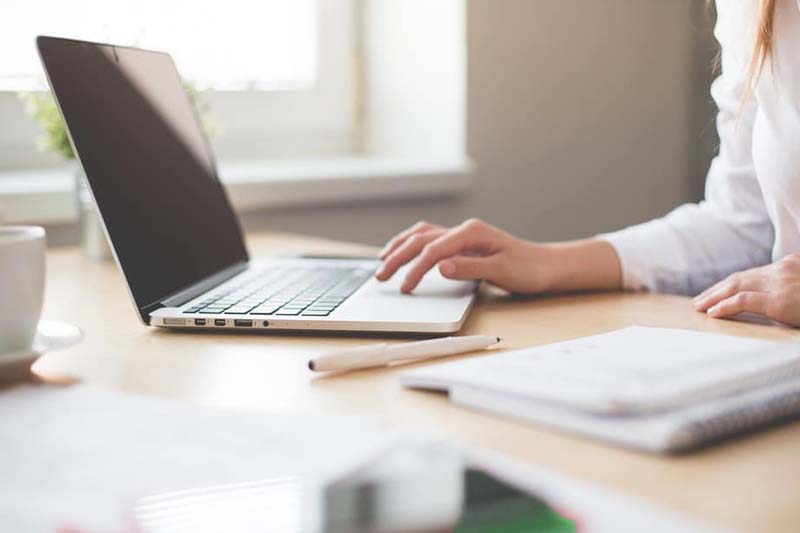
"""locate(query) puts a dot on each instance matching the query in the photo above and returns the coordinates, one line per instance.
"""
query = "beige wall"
(584, 116)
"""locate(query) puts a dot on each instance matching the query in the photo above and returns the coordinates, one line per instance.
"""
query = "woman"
(739, 248)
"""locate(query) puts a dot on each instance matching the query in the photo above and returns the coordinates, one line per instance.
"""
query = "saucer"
(50, 335)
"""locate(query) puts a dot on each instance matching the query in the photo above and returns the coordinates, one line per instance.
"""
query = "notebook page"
(627, 370)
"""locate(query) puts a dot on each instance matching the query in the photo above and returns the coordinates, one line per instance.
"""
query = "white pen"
(382, 354)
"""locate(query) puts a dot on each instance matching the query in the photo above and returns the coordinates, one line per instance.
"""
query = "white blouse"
(751, 212)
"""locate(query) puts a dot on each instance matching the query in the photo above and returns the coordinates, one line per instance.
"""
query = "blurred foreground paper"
(80, 458)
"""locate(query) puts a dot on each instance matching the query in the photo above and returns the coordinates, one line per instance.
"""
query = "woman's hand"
(772, 291)
(473, 250)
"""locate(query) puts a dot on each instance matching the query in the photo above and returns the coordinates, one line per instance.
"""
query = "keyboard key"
(293, 307)
(289, 312)
(323, 307)
(239, 310)
(265, 310)
(310, 312)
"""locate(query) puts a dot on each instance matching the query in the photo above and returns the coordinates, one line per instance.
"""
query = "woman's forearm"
(589, 264)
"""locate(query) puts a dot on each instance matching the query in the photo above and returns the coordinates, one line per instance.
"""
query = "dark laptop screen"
(148, 164)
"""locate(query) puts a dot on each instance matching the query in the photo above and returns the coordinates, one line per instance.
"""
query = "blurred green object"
(42, 108)
(53, 138)
(201, 108)
(491, 506)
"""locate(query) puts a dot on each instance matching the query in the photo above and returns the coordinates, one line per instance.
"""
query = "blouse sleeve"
(696, 245)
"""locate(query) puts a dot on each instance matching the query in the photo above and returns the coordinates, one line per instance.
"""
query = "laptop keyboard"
(282, 291)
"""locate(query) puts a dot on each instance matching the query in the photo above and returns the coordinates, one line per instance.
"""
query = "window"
(312, 101)
(281, 81)
(269, 44)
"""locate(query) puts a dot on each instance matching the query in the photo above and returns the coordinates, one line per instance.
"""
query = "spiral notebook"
(656, 389)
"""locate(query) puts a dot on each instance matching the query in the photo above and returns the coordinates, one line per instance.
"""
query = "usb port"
(243, 323)
(219, 321)
(199, 321)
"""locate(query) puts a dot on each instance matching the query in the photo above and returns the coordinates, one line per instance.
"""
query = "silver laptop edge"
(439, 306)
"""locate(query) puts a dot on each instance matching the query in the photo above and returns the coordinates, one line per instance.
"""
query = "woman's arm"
(589, 264)
(697, 245)
(477, 250)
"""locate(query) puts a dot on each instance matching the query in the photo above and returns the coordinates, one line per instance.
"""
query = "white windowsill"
(46, 196)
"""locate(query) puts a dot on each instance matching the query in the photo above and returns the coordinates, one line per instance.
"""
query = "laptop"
(173, 232)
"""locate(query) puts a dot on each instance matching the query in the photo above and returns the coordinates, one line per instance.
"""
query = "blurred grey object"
(94, 244)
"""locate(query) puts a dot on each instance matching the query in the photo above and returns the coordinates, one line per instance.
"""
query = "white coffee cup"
(22, 273)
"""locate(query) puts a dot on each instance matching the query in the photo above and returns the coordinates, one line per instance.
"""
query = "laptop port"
(243, 323)
(265, 323)
(219, 321)
(199, 321)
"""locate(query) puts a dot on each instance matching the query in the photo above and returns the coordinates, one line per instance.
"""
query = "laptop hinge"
(145, 311)
(181, 297)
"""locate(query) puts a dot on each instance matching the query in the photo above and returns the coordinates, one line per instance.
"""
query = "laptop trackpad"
(435, 300)
(433, 285)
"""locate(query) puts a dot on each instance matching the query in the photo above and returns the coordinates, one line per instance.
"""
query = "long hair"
(762, 51)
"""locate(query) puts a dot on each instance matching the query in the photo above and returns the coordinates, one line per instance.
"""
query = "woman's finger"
(463, 267)
(742, 302)
(758, 272)
(405, 252)
(706, 293)
(401, 237)
(451, 243)
(729, 287)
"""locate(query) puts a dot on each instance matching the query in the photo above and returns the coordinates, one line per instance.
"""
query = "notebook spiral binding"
(745, 419)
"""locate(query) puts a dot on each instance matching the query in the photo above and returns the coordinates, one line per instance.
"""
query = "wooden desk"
(753, 483)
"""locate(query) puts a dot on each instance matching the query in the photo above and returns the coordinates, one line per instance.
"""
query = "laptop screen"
(148, 163)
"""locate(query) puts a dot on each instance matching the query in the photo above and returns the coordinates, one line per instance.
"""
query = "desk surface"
(751, 483)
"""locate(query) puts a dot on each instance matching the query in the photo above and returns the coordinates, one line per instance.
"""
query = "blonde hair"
(763, 45)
